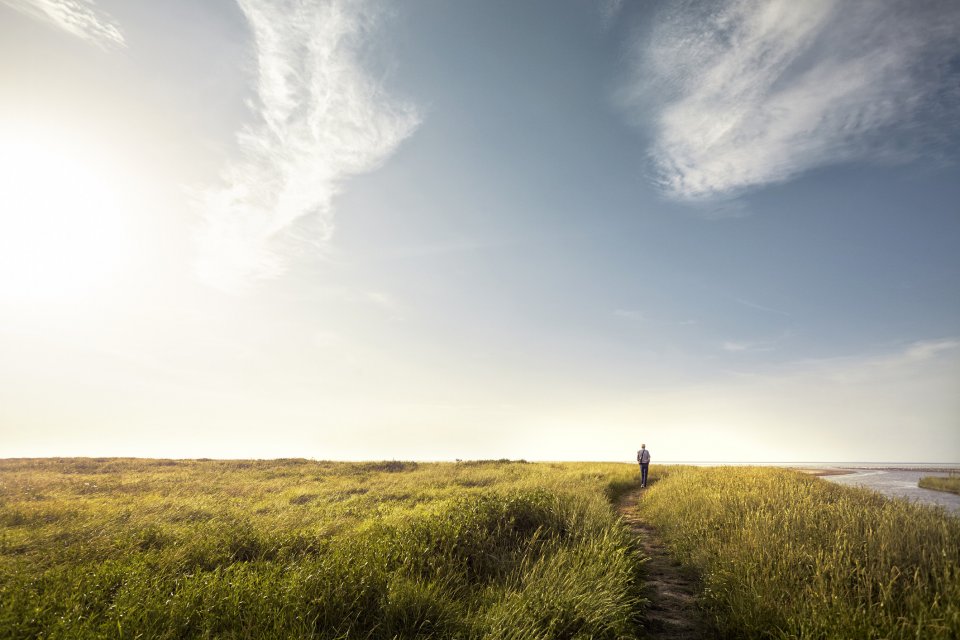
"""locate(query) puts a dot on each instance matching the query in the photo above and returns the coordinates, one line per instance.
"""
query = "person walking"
(643, 457)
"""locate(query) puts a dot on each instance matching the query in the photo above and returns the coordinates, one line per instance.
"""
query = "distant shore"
(835, 468)
(839, 471)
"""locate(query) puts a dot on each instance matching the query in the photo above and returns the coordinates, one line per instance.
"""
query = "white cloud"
(921, 351)
(751, 92)
(81, 18)
(381, 299)
(736, 347)
(911, 358)
(740, 346)
(321, 119)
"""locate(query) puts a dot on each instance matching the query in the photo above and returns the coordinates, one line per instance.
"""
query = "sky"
(359, 229)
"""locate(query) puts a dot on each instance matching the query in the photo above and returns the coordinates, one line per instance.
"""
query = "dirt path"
(673, 612)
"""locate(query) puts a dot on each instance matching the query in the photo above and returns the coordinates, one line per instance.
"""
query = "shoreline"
(930, 469)
(823, 472)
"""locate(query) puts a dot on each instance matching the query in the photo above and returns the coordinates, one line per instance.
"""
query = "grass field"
(298, 549)
(939, 483)
(121, 548)
(783, 555)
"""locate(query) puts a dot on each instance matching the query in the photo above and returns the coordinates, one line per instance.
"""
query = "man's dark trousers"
(643, 472)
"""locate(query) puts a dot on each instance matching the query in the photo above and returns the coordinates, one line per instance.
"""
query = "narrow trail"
(673, 612)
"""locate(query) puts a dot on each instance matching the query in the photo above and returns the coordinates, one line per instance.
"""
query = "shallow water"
(900, 484)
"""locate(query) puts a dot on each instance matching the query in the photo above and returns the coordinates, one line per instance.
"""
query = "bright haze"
(435, 230)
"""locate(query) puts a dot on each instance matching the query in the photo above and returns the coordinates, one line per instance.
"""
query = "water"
(900, 483)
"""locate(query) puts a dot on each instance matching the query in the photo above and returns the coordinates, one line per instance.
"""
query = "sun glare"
(63, 229)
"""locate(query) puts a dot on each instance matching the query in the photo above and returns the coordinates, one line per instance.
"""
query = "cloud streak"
(739, 346)
(320, 118)
(81, 18)
(609, 10)
(746, 93)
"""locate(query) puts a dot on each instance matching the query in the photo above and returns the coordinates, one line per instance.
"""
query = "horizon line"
(503, 459)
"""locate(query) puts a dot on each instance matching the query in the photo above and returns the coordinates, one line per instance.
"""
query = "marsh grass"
(119, 548)
(939, 483)
(784, 555)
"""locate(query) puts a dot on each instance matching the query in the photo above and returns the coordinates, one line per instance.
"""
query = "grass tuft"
(939, 483)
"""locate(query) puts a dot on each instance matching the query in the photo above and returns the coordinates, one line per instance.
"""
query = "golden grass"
(785, 555)
(299, 549)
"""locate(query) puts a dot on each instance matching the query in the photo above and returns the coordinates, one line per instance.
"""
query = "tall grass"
(939, 483)
(297, 549)
(784, 555)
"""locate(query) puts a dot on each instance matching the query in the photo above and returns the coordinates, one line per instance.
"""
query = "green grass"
(120, 548)
(784, 555)
(939, 483)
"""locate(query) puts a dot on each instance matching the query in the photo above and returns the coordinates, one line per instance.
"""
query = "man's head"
(643, 446)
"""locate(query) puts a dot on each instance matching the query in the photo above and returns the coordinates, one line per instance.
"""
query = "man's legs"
(643, 474)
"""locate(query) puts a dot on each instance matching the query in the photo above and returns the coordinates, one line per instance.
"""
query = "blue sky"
(480, 229)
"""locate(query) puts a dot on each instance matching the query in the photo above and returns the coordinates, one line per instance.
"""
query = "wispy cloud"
(81, 18)
(609, 10)
(746, 93)
(739, 346)
(630, 314)
(900, 362)
(922, 351)
(321, 118)
(760, 307)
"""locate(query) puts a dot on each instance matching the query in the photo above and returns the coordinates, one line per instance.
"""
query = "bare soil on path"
(673, 612)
